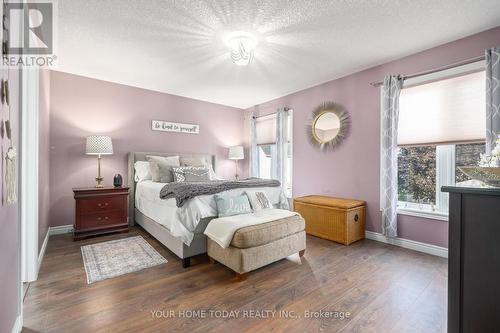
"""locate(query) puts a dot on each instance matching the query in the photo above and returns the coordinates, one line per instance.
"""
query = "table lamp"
(99, 145)
(236, 153)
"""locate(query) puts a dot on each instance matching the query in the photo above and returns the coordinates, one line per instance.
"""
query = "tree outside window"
(418, 172)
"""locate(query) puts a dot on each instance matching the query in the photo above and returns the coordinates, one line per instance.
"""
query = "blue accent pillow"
(228, 206)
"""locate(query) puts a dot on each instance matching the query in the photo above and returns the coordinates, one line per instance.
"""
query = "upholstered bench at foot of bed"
(260, 245)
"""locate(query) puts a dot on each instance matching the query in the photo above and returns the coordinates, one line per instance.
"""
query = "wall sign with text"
(167, 126)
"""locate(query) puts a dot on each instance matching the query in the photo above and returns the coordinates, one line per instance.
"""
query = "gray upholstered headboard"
(141, 156)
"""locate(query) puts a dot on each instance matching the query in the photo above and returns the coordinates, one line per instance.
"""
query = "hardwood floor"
(383, 288)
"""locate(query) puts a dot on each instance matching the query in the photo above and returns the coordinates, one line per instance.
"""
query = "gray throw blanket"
(183, 191)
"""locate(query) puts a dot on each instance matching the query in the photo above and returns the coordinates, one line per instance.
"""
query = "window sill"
(423, 214)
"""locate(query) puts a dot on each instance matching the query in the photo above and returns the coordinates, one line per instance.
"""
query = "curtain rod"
(443, 68)
(269, 115)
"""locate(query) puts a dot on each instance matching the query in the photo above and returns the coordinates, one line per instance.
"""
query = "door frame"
(29, 173)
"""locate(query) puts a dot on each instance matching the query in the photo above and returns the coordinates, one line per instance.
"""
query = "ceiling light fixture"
(241, 45)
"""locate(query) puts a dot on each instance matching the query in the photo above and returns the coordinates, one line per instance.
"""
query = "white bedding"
(182, 221)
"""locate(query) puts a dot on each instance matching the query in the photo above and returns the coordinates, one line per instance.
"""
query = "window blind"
(448, 111)
(265, 128)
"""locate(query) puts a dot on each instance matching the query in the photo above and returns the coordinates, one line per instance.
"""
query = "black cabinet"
(474, 260)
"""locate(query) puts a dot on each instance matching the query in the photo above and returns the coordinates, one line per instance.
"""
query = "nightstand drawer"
(97, 220)
(101, 204)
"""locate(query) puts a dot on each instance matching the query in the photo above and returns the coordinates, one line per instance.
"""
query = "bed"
(180, 229)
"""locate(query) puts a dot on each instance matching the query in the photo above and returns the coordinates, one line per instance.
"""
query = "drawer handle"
(106, 218)
(100, 218)
(356, 218)
(100, 204)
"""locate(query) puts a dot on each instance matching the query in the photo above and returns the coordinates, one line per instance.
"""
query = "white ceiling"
(178, 47)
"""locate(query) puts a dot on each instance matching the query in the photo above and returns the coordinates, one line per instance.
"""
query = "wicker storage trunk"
(339, 220)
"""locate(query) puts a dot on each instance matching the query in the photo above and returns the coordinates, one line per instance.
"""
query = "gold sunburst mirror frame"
(329, 126)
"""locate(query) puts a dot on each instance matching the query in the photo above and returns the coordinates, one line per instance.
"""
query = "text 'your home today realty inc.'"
(250, 314)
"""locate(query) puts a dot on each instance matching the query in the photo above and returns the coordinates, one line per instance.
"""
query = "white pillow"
(142, 171)
(258, 200)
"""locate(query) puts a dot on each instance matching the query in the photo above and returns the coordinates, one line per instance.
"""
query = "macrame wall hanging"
(9, 172)
(10, 175)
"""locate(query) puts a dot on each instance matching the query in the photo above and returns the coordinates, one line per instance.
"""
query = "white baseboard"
(409, 244)
(61, 229)
(18, 325)
(42, 250)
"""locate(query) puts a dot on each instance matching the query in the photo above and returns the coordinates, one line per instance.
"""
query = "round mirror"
(326, 127)
(329, 126)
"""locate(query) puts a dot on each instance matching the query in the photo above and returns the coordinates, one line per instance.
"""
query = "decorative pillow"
(193, 161)
(228, 206)
(142, 171)
(199, 162)
(258, 200)
(191, 174)
(161, 168)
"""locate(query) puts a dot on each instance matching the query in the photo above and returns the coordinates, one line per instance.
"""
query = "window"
(420, 176)
(267, 152)
(417, 175)
(467, 154)
(267, 155)
(441, 126)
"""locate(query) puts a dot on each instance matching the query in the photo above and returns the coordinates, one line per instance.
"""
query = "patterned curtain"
(254, 153)
(282, 144)
(390, 114)
(492, 97)
(282, 149)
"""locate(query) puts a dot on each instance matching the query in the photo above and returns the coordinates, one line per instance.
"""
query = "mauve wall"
(9, 221)
(81, 106)
(352, 170)
(43, 156)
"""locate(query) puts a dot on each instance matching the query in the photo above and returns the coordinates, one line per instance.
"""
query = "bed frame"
(158, 231)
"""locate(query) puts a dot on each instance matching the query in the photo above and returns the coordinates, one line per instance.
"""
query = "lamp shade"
(236, 153)
(99, 145)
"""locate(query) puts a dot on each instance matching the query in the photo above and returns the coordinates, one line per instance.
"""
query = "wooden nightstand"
(100, 211)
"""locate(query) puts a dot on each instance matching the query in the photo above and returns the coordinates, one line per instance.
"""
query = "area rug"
(114, 258)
